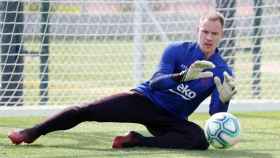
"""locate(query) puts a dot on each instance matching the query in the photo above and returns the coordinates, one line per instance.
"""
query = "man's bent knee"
(203, 146)
(201, 143)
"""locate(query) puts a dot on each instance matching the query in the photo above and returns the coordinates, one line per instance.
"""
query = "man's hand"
(195, 71)
(227, 89)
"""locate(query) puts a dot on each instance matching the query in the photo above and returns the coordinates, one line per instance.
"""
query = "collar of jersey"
(200, 55)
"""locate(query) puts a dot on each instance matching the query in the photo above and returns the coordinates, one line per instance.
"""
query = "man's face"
(209, 35)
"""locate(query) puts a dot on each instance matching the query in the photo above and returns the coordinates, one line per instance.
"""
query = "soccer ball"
(222, 130)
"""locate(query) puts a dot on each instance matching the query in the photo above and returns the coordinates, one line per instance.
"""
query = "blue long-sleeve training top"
(182, 98)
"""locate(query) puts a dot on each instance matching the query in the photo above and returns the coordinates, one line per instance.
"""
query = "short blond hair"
(213, 16)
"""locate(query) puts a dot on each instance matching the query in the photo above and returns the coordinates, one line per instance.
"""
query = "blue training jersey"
(182, 98)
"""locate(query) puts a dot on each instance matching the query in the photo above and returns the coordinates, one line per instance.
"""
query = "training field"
(58, 53)
(260, 137)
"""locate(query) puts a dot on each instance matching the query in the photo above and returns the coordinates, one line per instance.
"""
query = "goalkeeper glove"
(227, 89)
(195, 71)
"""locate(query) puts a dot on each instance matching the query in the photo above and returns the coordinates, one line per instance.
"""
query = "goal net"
(63, 52)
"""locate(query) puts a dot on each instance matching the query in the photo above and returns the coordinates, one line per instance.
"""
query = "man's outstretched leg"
(129, 107)
(66, 119)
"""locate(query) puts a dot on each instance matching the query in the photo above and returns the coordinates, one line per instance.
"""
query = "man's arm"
(222, 94)
(216, 105)
(164, 77)
(165, 81)
(227, 88)
(195, 71)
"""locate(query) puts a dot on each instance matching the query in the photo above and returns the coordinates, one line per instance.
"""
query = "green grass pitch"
(260, 138)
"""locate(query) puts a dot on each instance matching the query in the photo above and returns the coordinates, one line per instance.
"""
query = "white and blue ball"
(222, 130)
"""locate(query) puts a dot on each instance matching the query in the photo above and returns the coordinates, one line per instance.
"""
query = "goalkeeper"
(187, 74)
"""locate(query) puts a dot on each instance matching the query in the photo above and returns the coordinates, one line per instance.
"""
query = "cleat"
(126, 141)
(22, 136)
(16, 137)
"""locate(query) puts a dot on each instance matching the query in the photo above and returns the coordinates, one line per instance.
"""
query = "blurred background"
(62, 52)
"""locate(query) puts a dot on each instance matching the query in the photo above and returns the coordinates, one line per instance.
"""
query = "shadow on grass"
(98, 144)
